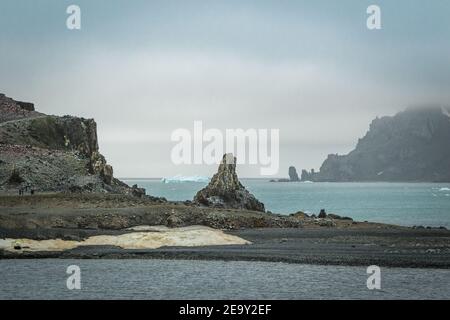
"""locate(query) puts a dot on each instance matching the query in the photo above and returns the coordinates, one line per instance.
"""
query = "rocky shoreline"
(297, 238)
(324, 246)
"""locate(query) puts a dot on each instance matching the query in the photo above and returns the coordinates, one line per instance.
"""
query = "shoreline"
(405, 248)
(274, 238)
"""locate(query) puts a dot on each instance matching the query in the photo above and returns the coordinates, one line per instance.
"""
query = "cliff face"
(413, 145)
(51, 153)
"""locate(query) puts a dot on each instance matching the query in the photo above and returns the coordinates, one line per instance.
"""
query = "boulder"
(137, 192)
(225, 190)
(299, 215)
(322, 214)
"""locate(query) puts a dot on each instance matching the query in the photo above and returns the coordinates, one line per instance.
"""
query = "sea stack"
(225, 190)
(293, 176)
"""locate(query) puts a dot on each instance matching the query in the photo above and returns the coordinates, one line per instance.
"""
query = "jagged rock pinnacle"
(225, 190)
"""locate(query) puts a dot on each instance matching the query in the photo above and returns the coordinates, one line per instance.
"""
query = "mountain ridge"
(411, 146)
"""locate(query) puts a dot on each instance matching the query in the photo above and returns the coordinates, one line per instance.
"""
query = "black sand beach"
(294, 239)
(387, 247)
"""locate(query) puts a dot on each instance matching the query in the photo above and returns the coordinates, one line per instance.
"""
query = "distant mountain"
(413, 145)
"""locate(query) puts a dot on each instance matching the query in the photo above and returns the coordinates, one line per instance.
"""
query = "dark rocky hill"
(50, 153)
(413, 145)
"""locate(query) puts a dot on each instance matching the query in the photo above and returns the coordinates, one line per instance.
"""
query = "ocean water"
(182, 279)
(409, 204)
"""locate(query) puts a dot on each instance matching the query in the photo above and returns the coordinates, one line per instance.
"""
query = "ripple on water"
(180, 279)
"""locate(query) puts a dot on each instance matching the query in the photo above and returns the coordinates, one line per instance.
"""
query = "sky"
(142, 69)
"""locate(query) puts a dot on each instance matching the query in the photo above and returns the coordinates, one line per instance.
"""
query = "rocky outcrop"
(52, 153)
(225, 190)
(13, 110)
(307, 176)
(413, 145)
(293, 176)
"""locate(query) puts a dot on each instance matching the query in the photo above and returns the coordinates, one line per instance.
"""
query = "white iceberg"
(444, 189)
(181, 178)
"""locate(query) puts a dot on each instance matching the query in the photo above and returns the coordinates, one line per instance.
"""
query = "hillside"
(413, 145)
(51, 153)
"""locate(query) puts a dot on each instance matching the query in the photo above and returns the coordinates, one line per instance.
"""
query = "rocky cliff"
(51, 153)
(413, 145)
(225, 190)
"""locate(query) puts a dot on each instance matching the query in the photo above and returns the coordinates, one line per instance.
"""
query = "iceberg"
(444, 189)
(181, 178)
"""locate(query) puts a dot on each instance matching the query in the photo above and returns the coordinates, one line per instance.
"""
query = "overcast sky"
(145, 68)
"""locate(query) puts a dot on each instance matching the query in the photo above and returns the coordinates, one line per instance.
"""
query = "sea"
(188, 279)
(408, 204)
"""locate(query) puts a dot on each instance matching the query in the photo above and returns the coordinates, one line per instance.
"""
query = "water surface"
(182, 279)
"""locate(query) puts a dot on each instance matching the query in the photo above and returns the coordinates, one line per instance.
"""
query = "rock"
(12, 110)
(409, 146)
(299, 215)
(225, 190)
(326, 223)
(28, 106)
(293, 176)
(307, 176)
(52, 153)
(173, 221)
(137, 192)
(15, 178)
(322, 214)
(337, 217)
(107, 174)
